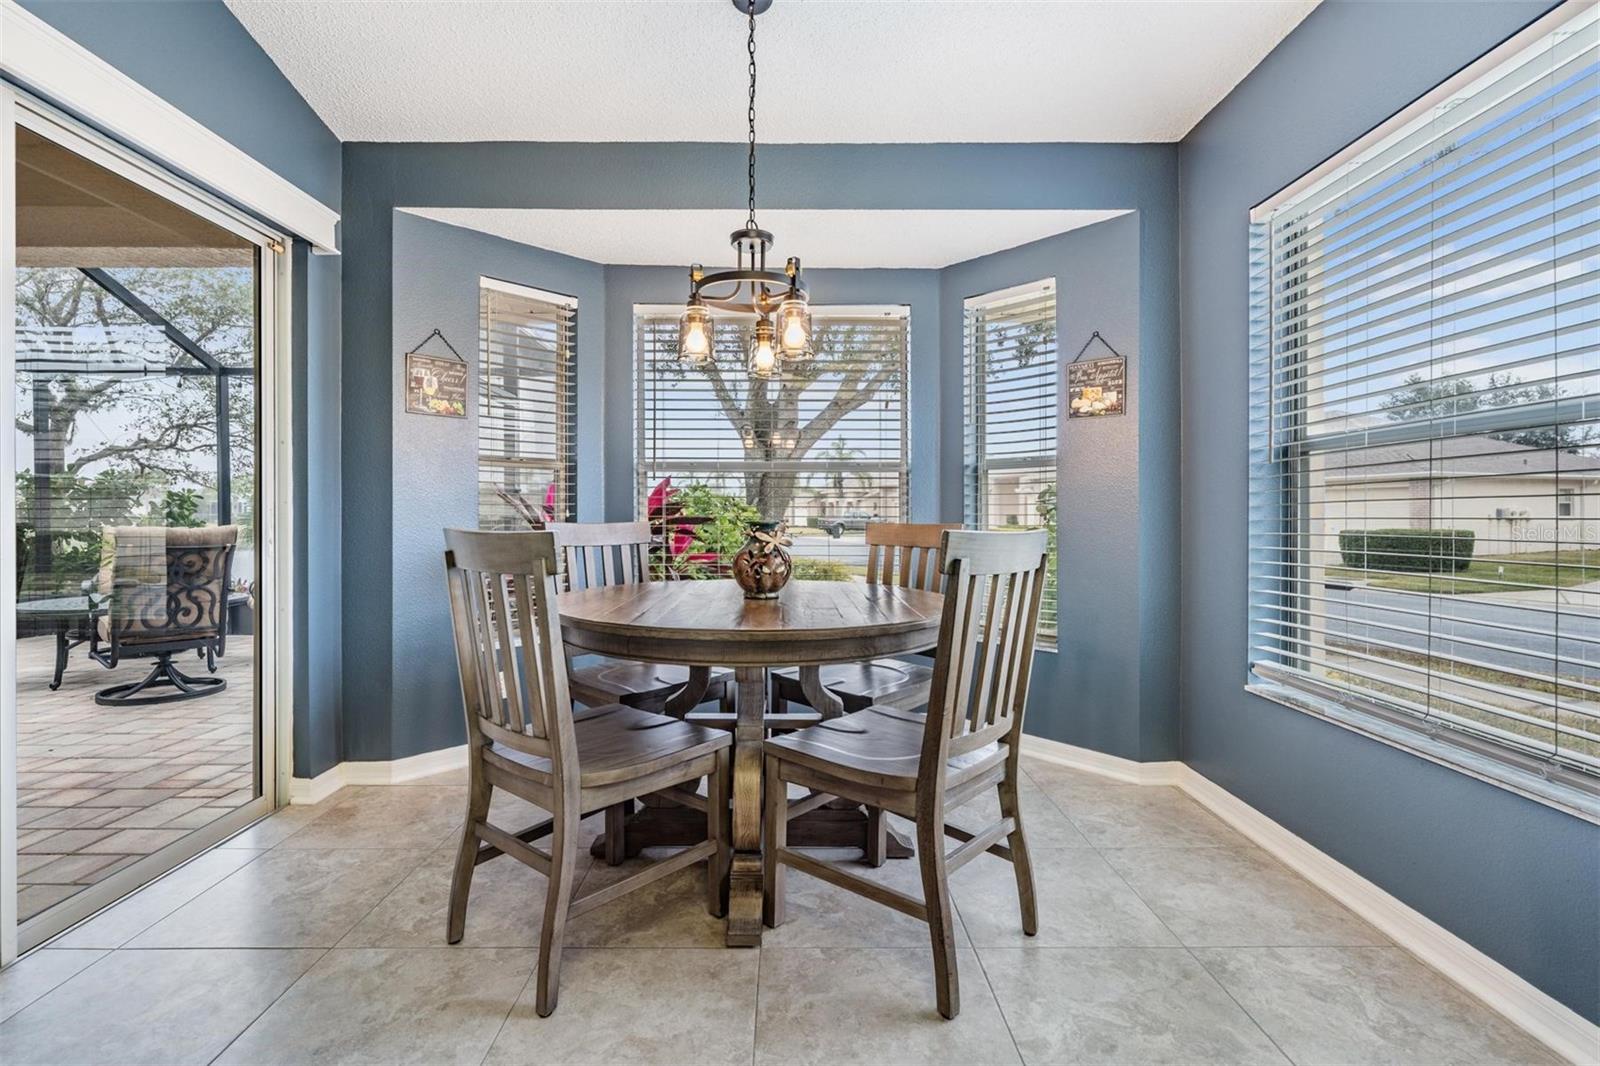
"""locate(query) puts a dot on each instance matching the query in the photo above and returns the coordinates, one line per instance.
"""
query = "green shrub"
(723, 535)
(820, 570)
(1421, 551)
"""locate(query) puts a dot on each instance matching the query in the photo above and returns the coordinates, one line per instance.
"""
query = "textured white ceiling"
(657, 237)
(866, 71)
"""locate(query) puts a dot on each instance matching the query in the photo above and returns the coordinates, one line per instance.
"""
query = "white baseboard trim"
(1115, 767)
(309, 790)
(393, 772)
(1552, 1023)
(1556, 1025)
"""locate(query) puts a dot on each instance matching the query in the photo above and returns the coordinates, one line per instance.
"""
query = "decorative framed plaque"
(436, 384)
(1097, 387)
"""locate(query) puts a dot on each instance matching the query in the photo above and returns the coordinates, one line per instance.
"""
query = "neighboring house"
(1514, 498)
(1013, 496)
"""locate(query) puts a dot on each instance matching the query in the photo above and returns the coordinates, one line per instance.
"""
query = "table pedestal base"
(842, 826)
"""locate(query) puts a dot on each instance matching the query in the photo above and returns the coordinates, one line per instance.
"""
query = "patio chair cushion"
(156, 590)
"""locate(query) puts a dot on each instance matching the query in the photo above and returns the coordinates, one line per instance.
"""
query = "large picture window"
(1425, 512)
(1011, 396)
(527, 398)
(821, 446)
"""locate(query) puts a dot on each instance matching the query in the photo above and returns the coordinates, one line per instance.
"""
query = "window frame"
(975, 466)
(1281, 451)
(563, 392)
(649, 469)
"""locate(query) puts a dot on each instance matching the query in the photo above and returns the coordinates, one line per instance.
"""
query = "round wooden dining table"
(707, 624)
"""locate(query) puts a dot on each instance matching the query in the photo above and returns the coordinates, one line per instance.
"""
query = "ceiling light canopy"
(749, 288)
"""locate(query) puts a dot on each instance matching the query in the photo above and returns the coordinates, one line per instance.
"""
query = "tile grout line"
(129, 898)
(1182, 944)
(533, 972)
(998, 1005)
(755, 1018)
(326, 951)
(1229, 993)
(247, 1026)
(1100, 852)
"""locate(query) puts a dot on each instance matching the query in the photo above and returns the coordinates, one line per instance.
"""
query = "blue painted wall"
(435, 466)
(1141, 254)
(1110, 685)
(197, 57)
(1516, 879)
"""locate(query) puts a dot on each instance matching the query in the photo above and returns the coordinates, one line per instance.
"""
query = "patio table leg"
(744, 880)
(62, 647)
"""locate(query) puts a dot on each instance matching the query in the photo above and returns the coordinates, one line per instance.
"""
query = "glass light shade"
(694, 334)
(763, 351)
(794, 328)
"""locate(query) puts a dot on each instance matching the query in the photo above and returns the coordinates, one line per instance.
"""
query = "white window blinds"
(1425, 457)
(821, 446)
(527, 396)
(1011, 391)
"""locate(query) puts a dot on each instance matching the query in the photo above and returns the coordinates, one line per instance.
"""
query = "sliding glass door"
(140, 680)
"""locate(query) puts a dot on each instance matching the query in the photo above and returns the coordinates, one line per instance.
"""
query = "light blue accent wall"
(627, 286)
(1516, 879)
(198, 58)
(1138, 178)
(435, 460)
(1094, 691)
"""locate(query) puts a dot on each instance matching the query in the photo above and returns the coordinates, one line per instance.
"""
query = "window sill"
(1565, 790)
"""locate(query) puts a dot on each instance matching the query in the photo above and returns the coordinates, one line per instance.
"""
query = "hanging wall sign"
(436, 384)
(1097, 387)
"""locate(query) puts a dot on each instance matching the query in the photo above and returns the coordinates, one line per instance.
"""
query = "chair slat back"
(908, 554)
(994, 583)
(596, 554)
(508, 640)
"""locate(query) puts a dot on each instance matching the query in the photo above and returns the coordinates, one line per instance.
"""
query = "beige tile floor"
(317, 936)
(98, 788)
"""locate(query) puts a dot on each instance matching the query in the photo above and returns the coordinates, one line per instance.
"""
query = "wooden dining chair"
(596, 554)
(522, 736)
(906, 554)
(924, 766)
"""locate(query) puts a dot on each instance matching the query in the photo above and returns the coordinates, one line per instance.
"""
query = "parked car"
(852, 521)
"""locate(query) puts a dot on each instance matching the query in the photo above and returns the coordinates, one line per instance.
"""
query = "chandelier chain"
(751, 48)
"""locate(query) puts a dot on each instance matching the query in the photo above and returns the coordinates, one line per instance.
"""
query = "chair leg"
(725, 701)
(877, 849)
(717, 795)
(616, 840)
(775, 816)
(1020, 863)
(557, 900)
(478, 795)
(936, 896)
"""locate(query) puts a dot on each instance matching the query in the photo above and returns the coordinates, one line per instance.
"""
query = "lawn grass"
(1573, 713)
(1491, 573)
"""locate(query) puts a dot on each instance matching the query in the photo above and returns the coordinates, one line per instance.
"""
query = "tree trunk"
(771, 493)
